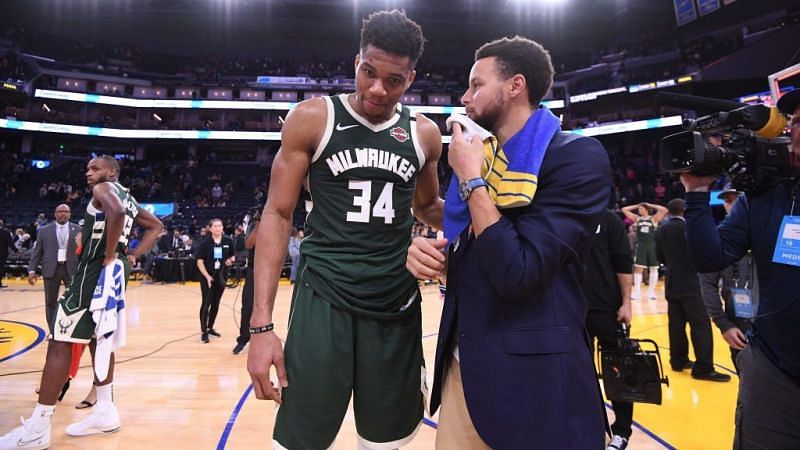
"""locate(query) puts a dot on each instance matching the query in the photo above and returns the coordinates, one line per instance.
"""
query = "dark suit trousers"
(51, 287)
(248, 295)
(2, 268)
(211, 298)
(603, 325)
(683, 309)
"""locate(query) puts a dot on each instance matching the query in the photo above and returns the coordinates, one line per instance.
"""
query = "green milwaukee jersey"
(362, 179)
(645, 231)
(75, 323)
(94, 236)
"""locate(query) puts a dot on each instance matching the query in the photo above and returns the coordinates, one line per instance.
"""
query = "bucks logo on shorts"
(362, 179)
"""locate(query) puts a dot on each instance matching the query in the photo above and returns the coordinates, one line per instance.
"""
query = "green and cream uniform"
(73, 321)
(646, 243)
(355, 324)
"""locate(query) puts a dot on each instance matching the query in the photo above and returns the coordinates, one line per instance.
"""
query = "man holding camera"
(607, 286)
(769, 367)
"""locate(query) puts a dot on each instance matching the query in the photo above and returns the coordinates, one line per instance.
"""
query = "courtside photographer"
(761, 156)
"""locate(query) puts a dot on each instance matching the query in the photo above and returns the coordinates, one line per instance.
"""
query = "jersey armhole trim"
(90, 209)
(326, 136)
(415, 141)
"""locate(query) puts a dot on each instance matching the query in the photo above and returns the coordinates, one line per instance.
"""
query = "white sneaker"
(97, 422)
(23, 437)
(652, 295)
(636, 295)
(618, 443)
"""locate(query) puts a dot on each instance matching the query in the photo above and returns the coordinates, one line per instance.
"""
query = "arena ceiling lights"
(224, 104)
(81, 130)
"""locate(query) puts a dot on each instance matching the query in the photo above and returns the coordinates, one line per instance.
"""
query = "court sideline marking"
(37, 341)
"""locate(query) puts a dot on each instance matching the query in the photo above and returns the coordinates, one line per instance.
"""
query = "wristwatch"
(465, 188)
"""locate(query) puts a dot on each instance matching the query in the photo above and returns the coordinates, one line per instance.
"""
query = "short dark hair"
(111, 162)
(676, 206)
(393, 32)
(216, 219)
(519, 55)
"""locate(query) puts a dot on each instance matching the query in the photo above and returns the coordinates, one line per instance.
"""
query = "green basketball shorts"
(331, 354)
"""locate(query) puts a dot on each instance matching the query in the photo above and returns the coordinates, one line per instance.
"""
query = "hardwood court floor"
(174, 392)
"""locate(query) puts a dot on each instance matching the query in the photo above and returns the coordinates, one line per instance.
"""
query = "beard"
(489, 117)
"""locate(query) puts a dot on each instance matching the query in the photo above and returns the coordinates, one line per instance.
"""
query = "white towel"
(468, 127)
(108, 313)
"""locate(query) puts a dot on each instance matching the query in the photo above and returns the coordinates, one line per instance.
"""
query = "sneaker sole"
(95, 431)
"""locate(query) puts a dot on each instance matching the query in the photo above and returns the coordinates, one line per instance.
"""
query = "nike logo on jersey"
(339, 126)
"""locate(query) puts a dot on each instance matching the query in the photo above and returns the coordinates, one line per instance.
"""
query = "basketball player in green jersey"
(355, 323)
(645, 245)
(109, 218)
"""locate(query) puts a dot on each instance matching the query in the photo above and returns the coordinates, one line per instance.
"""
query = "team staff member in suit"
(684, 300)
(55, 249)
(514, 309)
(607, 285)
(213, 256)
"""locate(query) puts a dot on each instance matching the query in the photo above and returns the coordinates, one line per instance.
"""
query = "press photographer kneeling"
(766, 221)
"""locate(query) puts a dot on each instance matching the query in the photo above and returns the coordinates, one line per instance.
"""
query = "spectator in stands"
(189, 248)
(41, 220)
(171, 242)
(6, 243)
(22, 241)
(216, 193)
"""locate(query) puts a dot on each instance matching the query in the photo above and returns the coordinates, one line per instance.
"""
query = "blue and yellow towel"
(511, 171)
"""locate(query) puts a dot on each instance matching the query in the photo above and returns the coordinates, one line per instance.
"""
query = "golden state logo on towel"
(17, 338)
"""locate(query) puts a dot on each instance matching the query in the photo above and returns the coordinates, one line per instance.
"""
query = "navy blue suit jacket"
(514, 300)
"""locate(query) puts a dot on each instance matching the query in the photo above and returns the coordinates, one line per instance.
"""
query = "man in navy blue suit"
(513, 366)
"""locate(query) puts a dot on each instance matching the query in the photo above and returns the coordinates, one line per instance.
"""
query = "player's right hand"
(266, 351)
(426, 258)
(32, 278)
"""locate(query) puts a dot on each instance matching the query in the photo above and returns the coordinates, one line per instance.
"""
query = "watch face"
(463, 190)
